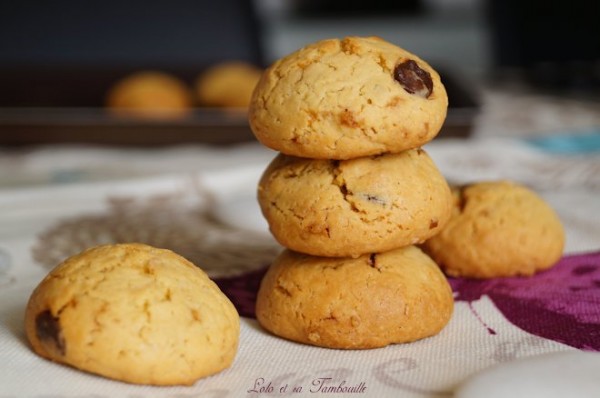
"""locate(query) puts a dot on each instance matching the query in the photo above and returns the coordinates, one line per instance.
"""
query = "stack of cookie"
(351, 193)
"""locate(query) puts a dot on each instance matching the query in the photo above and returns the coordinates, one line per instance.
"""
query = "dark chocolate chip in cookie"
(413, 79)
(47, 328)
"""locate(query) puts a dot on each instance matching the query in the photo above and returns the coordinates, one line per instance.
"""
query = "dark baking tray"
(55, 119)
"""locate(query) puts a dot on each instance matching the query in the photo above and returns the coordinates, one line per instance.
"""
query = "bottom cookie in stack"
(354, 303)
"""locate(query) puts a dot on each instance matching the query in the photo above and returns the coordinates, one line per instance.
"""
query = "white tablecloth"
(57, 201)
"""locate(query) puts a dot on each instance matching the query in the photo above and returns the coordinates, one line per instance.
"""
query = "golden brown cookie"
(150, 94)
(133, 313)
(350, 207)
(342, 99)
(227, 84)
(371, 301)
(497, 229)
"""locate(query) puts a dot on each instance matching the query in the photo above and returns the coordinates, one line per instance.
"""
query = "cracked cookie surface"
(342, 99)
(367, 302)
(497, 229)
(133, 313)
(351, 207)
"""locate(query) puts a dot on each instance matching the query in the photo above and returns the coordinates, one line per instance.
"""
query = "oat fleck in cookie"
(134, 313)
(351, 207)
(342, 99)
(497, 229)
(367, 302)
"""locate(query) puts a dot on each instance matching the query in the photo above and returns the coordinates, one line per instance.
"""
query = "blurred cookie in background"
(227, 84)
(150, 94)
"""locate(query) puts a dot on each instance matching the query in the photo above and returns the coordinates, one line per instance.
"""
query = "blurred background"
(72, 71)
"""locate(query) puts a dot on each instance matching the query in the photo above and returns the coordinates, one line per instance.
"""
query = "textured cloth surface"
(56, 202)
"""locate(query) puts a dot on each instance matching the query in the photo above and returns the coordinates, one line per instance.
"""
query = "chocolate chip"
(433, 223)
(48, 331)
(413, 79)
(461, 199)
(372, 259)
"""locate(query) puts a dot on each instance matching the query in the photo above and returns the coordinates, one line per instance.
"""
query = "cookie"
(227, 84)
(342, 99)
(367, 302)
(497, 229)
(350, 207)
(133, 313)
(150, 94)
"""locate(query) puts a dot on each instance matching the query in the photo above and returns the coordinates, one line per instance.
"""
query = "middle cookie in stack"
(345, 208)
(349, 117)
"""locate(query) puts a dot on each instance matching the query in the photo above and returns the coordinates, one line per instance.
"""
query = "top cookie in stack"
(349, 98)
(349, 117)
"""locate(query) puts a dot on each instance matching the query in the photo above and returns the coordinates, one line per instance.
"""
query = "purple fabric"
(560, 304)
(242, 290)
